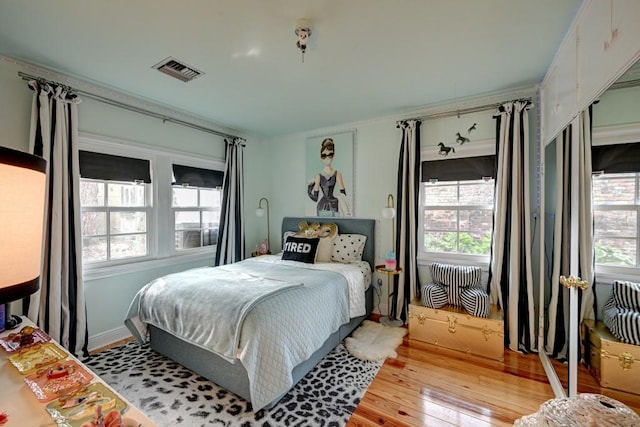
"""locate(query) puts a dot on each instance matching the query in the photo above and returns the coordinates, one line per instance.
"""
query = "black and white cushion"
(626, 294)
(300, 249)
(475, 301)
(623, 323)
(458, 275)
(434, 296)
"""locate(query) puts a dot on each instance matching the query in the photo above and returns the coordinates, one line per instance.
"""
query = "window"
(616, 212)
(196, 213)
(196, 206)
(458, 216)
(115, 203)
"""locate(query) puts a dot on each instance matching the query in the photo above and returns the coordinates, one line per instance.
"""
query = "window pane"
(210, 219)
(209, 198)
(615, 223)
(620, 252)
(478, 243)
(480, 193)
(128, 246)
(440, 195)
(210, 237)
(614, 191)
(94, 249)
(91, 193)
(441, 241)
(94, 223)
(441, 219)
(187, 239)
(126, 194)
(184, 197)
(127, 222)
(476, 220)
(187, 220)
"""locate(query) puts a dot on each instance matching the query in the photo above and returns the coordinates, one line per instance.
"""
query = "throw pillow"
(300, 249)
(348, 248)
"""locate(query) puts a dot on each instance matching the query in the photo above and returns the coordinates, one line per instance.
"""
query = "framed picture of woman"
(329, 174)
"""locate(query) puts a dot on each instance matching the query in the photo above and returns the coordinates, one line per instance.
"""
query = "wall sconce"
(303, 31)
(260, 212)
(22, 200)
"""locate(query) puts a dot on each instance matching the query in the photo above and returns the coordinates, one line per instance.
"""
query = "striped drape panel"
(230, 247)
(510, 274)
(59, 307)
(406, 284)
(558, 312)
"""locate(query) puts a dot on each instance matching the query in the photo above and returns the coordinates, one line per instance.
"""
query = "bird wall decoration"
(461, 139)
(473, 127)
(444, 150)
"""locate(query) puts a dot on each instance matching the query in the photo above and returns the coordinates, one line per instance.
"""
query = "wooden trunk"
(452, 327)
(613, 363)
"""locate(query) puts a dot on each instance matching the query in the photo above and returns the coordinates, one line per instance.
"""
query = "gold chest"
(452, 327)
(613, 363)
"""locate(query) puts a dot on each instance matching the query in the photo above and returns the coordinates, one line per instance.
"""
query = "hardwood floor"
(431, 386)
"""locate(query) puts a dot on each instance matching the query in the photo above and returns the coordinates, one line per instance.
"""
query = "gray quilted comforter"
(282, 312)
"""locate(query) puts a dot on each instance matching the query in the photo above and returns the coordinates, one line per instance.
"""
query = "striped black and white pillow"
(627, 294)
(433, 296)
(623, 323)
(475, 301)
(455, 275)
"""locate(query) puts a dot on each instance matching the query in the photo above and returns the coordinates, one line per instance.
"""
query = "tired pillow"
(300, 249)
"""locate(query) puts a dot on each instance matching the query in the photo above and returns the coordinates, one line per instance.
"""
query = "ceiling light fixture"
(303, 31)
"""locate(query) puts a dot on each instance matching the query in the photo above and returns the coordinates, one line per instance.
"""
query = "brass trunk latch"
(421, 317)
(626, 360)
(452, 323)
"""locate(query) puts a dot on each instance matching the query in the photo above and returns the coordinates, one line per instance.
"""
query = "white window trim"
(161, 245)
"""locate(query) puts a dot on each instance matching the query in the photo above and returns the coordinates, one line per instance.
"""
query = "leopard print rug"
(172, 395)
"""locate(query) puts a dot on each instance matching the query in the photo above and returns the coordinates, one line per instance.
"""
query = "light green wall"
(107, 298)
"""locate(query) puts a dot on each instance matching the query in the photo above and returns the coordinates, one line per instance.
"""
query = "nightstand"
(385, 320)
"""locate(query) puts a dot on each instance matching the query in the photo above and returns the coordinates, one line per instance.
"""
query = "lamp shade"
(388, 213)
(22, 200)
(260, 212)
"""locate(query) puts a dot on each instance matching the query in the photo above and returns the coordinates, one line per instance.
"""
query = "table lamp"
(22, 199)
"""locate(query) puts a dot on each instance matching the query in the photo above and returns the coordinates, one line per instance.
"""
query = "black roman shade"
(618, 158)
(197, 177)
(463, 169)
(114, 168)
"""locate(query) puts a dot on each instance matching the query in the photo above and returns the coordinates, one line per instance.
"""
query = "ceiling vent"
(177, 69)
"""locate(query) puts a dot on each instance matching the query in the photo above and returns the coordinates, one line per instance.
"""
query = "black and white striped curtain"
(510, 272)
(59, 307)
(556, 340)
(406, 244)
(230, 246)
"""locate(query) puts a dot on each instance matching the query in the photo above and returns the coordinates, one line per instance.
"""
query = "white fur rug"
(373, 341)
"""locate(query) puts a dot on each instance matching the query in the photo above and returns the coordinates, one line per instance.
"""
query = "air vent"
(177, 69)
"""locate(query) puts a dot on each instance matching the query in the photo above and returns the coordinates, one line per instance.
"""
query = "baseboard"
(105, 339)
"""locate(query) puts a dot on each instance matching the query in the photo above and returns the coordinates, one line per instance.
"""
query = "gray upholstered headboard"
(363, 226)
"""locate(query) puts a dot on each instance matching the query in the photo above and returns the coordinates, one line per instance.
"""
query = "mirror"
(615, 120)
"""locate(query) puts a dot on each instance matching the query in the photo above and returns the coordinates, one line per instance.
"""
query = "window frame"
(606, 271)
(160, 222)
(200, 209)
(449, 256)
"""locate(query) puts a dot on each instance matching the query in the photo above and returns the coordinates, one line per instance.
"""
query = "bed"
(283, 334)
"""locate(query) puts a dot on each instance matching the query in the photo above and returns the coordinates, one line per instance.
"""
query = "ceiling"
(365, 58)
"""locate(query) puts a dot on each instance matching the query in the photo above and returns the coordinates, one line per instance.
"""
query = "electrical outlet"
(378, 284)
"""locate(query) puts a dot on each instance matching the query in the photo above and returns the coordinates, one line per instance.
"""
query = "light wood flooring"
(431, 386)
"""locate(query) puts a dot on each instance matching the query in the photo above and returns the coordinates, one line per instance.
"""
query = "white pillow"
(325, 249)
(348, 247)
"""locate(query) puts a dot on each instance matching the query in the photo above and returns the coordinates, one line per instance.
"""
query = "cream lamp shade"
(22, 200)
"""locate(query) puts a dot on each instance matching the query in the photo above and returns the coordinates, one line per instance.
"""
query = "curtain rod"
(465, 110)
(129, 107)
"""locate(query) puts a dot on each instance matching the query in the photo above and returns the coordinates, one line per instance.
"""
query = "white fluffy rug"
(373, 341)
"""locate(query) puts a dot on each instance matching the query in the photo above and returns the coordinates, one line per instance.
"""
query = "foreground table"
(21, 407)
